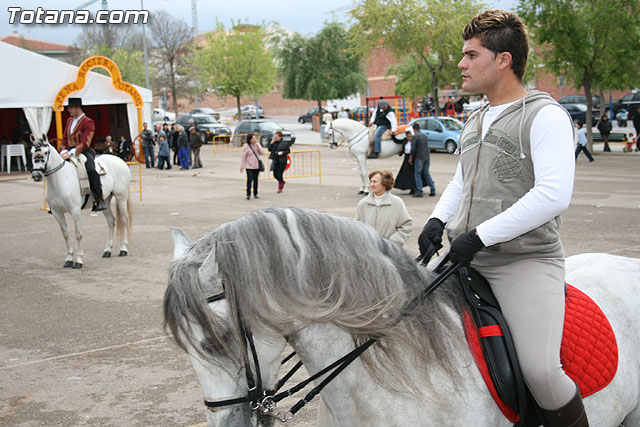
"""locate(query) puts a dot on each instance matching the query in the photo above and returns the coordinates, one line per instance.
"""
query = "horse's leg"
(361, 159)
(62, 222)
(124, 224)
(77, 223)
(111, 223)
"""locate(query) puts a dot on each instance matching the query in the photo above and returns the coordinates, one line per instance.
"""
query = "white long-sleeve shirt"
(390, 116)
(552, 155)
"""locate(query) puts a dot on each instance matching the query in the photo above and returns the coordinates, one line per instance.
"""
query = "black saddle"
(498, 349)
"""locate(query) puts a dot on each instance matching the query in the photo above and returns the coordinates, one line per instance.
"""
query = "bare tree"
(172, 38)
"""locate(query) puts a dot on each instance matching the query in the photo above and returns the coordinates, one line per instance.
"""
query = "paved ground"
(87, 347)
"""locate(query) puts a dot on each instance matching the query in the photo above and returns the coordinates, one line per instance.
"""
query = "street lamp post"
(144, 48)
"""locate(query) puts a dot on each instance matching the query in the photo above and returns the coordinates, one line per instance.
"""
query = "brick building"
(52, 50)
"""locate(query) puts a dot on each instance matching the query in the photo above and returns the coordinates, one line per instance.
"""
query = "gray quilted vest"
(497, 171)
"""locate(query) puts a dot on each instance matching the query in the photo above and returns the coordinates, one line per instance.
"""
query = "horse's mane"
(285, 268)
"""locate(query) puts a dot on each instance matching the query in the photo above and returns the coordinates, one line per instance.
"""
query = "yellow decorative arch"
(116, 78)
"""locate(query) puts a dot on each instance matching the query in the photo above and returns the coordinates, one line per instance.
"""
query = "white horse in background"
(356, 136)
(325, 294)
(63, 195)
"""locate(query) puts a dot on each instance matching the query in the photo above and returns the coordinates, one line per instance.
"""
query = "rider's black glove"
(465, 246)
(431, 235)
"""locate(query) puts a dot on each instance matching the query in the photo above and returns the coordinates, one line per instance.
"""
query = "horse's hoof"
(68, 264)
(106, 254)
(76, 265)
(122, 253)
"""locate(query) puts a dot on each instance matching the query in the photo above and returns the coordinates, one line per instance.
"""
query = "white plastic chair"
(13, 150)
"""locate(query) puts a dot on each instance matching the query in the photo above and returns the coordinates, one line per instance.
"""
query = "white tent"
(31, 81)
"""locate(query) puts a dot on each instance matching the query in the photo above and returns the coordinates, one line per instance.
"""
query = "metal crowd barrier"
(226, 144)
(136, 184)
(302, 164)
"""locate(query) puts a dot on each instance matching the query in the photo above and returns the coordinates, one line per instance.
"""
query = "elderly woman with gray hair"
(384, 211)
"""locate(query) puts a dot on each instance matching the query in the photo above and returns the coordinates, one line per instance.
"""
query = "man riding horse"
(78, 139)
(385, 119)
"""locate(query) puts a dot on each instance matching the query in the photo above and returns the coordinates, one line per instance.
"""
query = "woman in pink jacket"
(250, 160)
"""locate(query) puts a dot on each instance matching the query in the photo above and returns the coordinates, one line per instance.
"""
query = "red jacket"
(82, 136)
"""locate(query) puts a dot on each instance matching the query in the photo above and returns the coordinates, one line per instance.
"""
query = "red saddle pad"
(589, 350)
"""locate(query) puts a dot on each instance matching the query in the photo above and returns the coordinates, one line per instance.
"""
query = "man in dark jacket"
(420, 159)
(124, 149)
(604, 126)
(173, 143)
(147, 146)
(196, 142)
(636, 124)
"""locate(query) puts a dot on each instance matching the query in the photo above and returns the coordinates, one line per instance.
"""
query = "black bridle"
(265, 400)
(39, 157)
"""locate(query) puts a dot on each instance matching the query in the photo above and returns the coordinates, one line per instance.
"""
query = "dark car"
(579, 112)
(266, 129)
(306, 118)
(206, 125)
(206, 110)
(358, 113)
(629, 102)
(580, 99)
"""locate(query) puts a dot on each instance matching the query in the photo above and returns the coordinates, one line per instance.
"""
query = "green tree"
(131, 65)
(321, 67)
(593, 43)
(428, 32)
(236, 62)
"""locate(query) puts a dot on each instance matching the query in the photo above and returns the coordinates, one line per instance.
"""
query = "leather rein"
(265, 400)
(43, 170)
(347, 141)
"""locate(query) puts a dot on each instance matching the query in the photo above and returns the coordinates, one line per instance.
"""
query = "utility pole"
(144, 48)
(194, 17)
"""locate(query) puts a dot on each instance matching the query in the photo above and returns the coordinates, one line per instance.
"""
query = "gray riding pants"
(531, 296)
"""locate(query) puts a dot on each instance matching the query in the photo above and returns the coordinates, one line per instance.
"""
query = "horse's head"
(331, 135)
(40, 153)
(205, 320)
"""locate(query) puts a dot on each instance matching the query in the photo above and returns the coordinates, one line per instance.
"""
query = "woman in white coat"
(384, 211)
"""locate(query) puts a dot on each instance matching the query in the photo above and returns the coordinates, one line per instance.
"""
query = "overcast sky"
(303, 16)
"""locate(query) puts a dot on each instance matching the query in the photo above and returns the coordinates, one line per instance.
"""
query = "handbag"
(260, 164)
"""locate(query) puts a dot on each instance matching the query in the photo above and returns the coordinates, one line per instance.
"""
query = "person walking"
(163, 152)
(183, 143)
(420, 159)
(279, 150)
(636, 121)
(385, 119)
(582, 142)
(406, 178)
(604, 126)
(250, 160)
(384, 211)
(195, 139)
(501, 210)
(147, 145)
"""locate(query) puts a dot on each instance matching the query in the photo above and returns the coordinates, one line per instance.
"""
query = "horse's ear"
(208, 274)
(180, 242)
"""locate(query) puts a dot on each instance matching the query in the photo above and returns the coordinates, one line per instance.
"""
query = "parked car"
(206, 110)
(629, 102)
(443, 133)
(306, 118)
(358, 113)
(206, 125)
(266, 129)
(579, 112)
(160, 115)
(580, 99)
(251, 112)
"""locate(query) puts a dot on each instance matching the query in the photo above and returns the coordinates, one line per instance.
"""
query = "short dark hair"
(501, 31)
(387, 178)
(416, 126)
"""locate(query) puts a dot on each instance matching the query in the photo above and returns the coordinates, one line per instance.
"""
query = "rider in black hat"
(78, 138)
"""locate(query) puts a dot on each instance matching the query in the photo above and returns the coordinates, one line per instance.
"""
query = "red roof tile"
(36, 45)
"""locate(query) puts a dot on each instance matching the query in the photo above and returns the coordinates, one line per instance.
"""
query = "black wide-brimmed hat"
(75, 102)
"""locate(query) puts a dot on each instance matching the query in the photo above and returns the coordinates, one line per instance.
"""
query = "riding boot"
(570, 415)
(280, 185)
(98, 203)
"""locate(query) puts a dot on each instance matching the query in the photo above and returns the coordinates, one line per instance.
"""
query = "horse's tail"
(120, 226)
